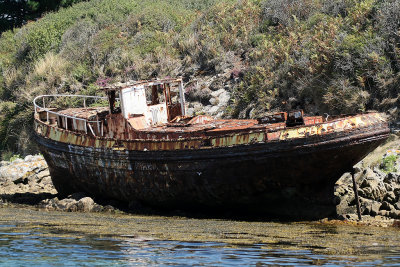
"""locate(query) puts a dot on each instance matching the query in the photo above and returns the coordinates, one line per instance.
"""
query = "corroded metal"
(219, 133)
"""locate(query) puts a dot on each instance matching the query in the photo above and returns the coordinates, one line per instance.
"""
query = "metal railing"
(87, 123)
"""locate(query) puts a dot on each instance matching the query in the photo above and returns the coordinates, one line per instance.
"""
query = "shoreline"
(319, 237)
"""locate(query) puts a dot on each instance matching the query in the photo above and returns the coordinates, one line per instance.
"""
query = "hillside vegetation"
(337, 56)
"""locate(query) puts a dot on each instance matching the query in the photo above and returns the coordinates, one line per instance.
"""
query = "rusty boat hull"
(279, 172)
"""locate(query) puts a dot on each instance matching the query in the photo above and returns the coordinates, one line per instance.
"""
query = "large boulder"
(86, 204)
(28, 175)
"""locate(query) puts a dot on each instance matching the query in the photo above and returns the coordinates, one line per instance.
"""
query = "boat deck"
(83, 113)
(188, 125)
(209, 126)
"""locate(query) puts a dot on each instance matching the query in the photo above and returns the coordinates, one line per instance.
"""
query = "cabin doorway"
(173, 95)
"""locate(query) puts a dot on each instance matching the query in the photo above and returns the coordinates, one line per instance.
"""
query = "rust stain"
(207, 134)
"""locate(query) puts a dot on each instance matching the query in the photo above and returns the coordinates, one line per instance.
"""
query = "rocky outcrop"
(74, 202)
(378, 190)
(29, 175)
(210, 95)
(28, 181)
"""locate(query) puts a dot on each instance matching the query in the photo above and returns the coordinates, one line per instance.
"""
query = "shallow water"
(58, 238)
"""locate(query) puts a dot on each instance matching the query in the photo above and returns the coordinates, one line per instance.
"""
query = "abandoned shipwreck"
(140, 147)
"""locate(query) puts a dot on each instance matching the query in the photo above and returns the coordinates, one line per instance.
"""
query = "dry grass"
(10, 76)
(50, 68)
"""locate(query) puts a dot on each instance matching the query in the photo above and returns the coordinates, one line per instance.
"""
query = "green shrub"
(6, 155)
(389, 164)
(14, 157)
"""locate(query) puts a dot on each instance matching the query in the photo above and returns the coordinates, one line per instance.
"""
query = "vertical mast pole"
(182, 97)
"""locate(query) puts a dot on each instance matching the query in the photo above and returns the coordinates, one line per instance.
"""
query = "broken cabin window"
(155, 94)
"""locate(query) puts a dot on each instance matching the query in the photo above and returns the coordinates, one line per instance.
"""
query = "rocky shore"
(28, 181)
(378, 181)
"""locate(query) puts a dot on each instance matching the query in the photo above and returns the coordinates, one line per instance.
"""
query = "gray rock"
(379, 192)
(19, 170)
(358, 168)
(365, 184)
(216, 84)
(85, 204)
(358, 177)
(379, 173)
(374, 208)
(348, 217)
(391, 177)
(387, 206)
(224, 98)
(66, 204)
(388, 187)
(190, 112)
(213, 101)
(397, 205)
(4, 163)
(345, 179)
(108, 208)
(340, 190)
(367, 192)
(16, 161)
(390, 197)
(48, 204)
(97, 208)
(344, 206)
(384, 213)
(375, 191)
(197, 105)
(396, 191)
(207, 108)
(219, 115)
(30, 158)
(395, 214)
(42, 174)
(213, 110)
(217, 93)
(370, 207)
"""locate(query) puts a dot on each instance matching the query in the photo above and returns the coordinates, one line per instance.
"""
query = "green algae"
(326, 238)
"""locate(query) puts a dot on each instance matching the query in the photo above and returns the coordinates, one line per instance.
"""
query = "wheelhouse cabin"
(145, 104)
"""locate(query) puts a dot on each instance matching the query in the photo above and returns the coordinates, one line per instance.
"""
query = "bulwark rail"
(87, 123)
